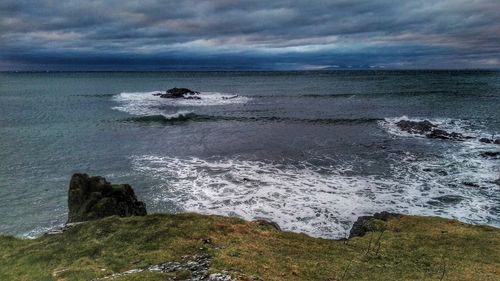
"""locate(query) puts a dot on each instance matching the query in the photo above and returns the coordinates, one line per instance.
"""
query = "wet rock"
(416, 127)
(428, 129)
(267, 223)
(180, 93)
(439, 172)
(470, 184)
(91, 198)
(497, 181)
(444, 135)
(447, 199)
(485, 140)
(443, 173)
(497, 141)
(491, 154)
(365, 224)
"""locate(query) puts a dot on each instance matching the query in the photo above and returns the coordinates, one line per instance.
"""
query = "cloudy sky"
(248, 35)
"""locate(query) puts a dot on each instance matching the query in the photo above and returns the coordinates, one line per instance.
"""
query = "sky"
(249, 35)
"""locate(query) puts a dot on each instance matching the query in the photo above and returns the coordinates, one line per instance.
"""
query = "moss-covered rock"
(373, 223)
(91, 198)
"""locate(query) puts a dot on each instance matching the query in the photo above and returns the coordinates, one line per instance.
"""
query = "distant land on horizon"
(328, 69)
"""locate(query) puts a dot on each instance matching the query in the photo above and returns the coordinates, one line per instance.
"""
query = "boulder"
(366, 224)
(184, 93)
(91, 198)
(416, 127)
(429, 130)
(485, 140)
(446, 200)
(497, 141)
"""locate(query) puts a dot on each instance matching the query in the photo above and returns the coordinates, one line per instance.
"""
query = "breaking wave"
(319, 201)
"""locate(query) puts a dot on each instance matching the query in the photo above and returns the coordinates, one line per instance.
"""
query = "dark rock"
(444, 135)
(485, 140)
(491, 154)
(471, 184)
(91, 198)
(364, 223)
(157, 94)
(443, 173)
(497, 141)
(416, 127)
(439, 172)
(428, 129)
(447, 199)
(267, 223)
(497, 181)
(185, 93)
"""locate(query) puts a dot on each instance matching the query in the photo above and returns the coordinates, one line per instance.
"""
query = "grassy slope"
(411, 248)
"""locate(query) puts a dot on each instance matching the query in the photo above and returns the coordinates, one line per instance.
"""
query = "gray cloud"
(250, 35)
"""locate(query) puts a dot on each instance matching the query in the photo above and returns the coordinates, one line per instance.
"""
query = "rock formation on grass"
(91, 198)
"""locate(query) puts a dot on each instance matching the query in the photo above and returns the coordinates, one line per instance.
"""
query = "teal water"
(316, 149)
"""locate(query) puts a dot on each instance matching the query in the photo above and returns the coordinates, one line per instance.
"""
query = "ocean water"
(311, 151)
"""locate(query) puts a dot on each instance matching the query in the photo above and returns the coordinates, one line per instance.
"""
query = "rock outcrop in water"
(182, 93)
(428, 129)
(91, 198)
(416, 127)
(487, 140)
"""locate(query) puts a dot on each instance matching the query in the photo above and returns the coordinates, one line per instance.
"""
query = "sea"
(309, 150)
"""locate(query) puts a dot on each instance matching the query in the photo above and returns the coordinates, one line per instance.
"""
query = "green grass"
(410, 248)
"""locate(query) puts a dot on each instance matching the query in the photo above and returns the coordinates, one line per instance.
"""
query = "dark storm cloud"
(228, 34)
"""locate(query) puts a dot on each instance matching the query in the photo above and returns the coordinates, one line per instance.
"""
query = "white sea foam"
(40, 230)
(462, 160)
(145, 103)
(308, 199)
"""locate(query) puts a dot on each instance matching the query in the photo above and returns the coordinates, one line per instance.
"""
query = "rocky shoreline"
(121, 242)
(92, 198)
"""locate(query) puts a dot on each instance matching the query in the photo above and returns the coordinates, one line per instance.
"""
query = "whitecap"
(304, 198)
(145, 103)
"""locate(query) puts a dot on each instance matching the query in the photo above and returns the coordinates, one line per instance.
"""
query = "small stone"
(471, 184)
